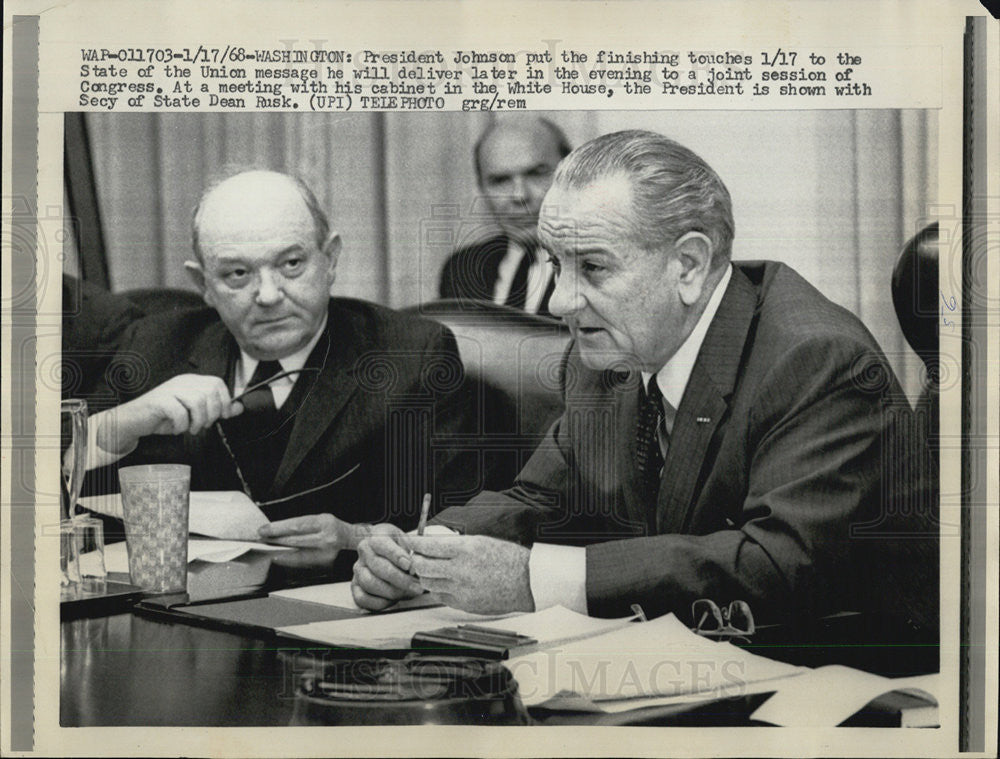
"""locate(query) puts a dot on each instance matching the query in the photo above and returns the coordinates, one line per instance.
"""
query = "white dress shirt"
(281, 388)
(539, 275)
(558, 574)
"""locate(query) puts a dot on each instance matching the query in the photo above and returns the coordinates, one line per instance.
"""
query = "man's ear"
(331, 249)
(694, 252)
(197, 274)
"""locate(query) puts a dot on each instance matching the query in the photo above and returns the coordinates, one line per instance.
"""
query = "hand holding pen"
(425, 509)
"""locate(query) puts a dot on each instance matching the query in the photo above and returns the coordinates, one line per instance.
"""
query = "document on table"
(199, 549)
(225, 514)
(383, 631)
(826, 696)
(646, 660)
(396, 630)
(338, 595)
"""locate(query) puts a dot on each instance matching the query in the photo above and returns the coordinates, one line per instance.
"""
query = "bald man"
(346, 437)
(514, 161)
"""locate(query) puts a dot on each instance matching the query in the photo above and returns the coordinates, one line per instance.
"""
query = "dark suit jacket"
(471, 272)
(93, 321)
(391, 396)
(777, 464)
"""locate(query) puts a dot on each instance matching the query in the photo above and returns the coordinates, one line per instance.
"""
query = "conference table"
(148, 665)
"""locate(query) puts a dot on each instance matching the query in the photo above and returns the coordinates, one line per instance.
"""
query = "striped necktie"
(649, 459)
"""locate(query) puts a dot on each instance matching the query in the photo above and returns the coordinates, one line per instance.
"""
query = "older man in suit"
(326, 411)
(727, 428)
(514, 160)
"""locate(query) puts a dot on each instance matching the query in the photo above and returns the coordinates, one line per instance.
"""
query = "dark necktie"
(262, 399)
(518, 294)
(261, 450)
(649, 459)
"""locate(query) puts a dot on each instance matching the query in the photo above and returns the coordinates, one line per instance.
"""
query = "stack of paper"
(395, 631)
(642, 664)
(383, 631)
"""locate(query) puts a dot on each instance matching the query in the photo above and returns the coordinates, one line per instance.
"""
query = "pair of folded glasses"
(731, 623)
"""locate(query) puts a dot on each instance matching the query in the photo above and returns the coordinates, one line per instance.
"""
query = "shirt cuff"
(97, 456)
(558, 575)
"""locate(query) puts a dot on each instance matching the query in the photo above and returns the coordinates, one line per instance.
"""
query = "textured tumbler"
(155, 499)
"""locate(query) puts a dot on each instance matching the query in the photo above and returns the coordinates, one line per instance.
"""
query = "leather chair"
(908, 567)
(916, 297)
(512, 359)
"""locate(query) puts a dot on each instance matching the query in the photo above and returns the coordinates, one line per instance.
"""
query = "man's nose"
(565, 299)
(269, 290)
(519, 188)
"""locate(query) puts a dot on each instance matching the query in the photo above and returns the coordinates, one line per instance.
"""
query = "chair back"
(513, 360)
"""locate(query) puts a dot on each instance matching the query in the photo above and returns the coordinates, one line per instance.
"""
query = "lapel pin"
(703, 419)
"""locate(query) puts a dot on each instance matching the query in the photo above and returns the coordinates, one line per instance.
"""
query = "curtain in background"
(835, 194)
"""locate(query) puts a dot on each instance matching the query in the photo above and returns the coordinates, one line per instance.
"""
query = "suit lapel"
(701, 412)
(705, 405)
(326, 394)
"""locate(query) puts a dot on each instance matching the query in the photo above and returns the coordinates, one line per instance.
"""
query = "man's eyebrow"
(541, 165)
(591, 251)
(236, 258)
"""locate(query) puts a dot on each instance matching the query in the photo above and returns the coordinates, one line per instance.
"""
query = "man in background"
(323, 410)
(514, 163)
(729, 433)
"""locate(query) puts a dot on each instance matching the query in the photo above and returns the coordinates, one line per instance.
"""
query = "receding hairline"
(562, 144)
(663, 176)
(321, 224)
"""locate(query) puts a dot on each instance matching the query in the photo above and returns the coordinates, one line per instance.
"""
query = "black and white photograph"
(435, 380)
(467, 379)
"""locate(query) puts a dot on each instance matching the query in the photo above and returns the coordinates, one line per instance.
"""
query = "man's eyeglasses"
(734, 622)
(253, 399)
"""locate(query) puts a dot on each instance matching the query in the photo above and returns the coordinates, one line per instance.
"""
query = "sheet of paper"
(338, 594)
(230, 515)
(199, 549)
(384, 631)
(397, 629)
(664, 658)
(226, 514)
(558, 624)
(826, 696)
(573, 702)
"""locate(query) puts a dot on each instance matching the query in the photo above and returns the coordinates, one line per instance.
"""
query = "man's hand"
(322, 531)
(381, 573)
(186, 403)
(473, 572)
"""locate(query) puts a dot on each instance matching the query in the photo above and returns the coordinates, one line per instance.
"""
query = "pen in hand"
(425, 509)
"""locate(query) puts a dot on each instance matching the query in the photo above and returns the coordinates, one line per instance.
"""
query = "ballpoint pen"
(425, 509)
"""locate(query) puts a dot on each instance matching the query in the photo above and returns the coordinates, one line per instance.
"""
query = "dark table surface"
(140, 668)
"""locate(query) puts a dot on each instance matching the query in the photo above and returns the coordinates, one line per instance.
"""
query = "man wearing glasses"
(323, 410)
(514, 162)
(726, 430)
